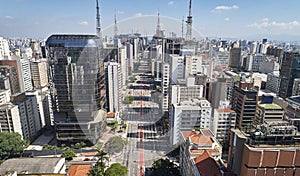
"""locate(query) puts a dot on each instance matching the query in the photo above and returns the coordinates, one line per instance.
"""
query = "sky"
(243, 19)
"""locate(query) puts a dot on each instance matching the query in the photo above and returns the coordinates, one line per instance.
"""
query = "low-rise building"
(33, 166)
(200, 154)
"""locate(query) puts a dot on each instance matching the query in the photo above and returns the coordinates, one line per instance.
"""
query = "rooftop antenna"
(182, 27)
(98, 28)
(116, 27)
(189, 22)
(158, 29)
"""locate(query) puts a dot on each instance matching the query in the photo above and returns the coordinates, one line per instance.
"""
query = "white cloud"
(266, 23)
(170, 3)
(120, 12)
(139, 14)
(8, 17)
(227, 19)
(223, 8)
(84, 23)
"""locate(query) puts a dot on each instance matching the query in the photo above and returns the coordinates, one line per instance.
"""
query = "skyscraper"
(113, 76)
(290, 70)
(77, 73)
(235, 58)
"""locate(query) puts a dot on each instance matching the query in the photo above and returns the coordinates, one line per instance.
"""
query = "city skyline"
(237, 19)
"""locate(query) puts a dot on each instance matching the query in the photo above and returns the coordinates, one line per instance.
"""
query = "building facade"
(289, 71)
(113, 86)
(189, 115)
(78, 95)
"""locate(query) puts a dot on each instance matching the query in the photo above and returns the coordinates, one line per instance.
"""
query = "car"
(87, 159)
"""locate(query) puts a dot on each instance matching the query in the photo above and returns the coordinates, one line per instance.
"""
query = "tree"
(68, 154)
(115, 145)
(116, 169)
(99, 167)
(164, 167)
(11, 145)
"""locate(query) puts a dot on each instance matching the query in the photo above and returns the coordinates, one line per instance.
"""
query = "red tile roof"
(206, 165)
(79, 169)
(224, 110)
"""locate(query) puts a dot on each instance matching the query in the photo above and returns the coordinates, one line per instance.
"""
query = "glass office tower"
(77, 86)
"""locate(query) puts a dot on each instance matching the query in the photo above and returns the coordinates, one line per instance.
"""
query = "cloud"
(84, 23)
(8, 17)
(139, 14)
(223, 8)
(266, 23)
(120, 12)
(226, 19)
(170, 3)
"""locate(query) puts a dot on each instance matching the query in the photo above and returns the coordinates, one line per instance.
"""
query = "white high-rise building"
(124, 65)
(114, 86)
(35, 94)
(129, 52)
(223, 121)
(26, 74)
(4, 49)
(29, 114)
(165, 84)
(177, 68)
(273, 82)
(10, 119)
(254, 61)
(185, 92)
(189, 115)
(193, 65)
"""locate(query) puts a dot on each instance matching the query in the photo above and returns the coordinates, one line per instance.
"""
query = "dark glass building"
(78, 87)
(289, 71)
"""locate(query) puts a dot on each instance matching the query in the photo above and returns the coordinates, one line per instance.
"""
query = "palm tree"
(99, 167)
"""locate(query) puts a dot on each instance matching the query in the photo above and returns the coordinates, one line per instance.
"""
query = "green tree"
(11, 145)
(164, 167)
(115, 145)
(68, 154)
(116, 169)
(99, 167)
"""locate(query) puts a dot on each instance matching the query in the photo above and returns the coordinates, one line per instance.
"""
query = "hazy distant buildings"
(77, 72)
(289, 71)
(253, 62)
(4, 49)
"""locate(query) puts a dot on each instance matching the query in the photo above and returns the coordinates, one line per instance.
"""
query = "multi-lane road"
(145, 145)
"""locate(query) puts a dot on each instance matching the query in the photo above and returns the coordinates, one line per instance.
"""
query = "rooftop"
(206, 165)
(31, 165)
(226, 110)
(295, 99)
(270, 106)
(79, 169)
